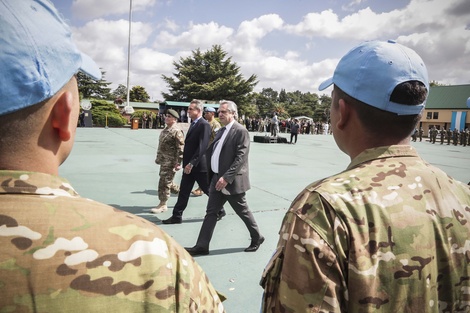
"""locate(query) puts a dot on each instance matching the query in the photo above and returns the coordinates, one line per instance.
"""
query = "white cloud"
(431, 27)
(171, 25)
(423, 25)
(91, 9)
(350, 6)
(201, 36)
(250, 32)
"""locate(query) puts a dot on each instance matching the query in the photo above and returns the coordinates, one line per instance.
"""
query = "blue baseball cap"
(371, 71)
(209, 109)
(37, 54)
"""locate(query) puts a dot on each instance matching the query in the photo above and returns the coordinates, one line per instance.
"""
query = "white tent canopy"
(301, 118)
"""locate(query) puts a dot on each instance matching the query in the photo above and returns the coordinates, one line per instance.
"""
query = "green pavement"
(116, 166)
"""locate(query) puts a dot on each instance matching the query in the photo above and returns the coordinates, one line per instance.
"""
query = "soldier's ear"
(344, 114)
(62, 116)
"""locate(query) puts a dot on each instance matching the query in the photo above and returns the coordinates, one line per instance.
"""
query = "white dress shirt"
(218, 147)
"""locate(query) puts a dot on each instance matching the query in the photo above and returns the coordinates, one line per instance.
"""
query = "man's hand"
(221, 184)
(188, 168)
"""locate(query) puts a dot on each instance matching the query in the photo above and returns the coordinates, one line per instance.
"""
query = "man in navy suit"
(227, 163)
(194, 161)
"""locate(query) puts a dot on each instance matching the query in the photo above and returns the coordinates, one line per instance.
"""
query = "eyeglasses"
(224, 111)
(191, 109)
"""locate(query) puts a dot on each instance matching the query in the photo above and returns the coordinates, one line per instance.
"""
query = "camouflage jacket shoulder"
(215, 126)
(61, 252)
(389, 234)
(170, 146)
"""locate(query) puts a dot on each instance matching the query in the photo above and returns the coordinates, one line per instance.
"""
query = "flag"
(458, 120)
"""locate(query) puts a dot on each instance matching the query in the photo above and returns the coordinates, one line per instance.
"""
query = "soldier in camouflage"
(169, 157)
(448, 135)
(209, 115)
(463, 137)
(442, 132)
(391, 232)
(61, 252)
(433, 134)
(455, 136)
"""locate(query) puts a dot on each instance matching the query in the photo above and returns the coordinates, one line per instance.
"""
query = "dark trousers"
(292, 135)
(186, 186)
(216, 201)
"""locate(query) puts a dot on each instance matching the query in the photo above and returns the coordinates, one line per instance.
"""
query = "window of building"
(428, 115)
(435, 115)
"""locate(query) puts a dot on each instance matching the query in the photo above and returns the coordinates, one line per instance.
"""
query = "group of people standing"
(455, 136)
(217, 159)
(274, 125)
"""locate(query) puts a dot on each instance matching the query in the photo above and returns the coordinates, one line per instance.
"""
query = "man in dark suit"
(227, 162)
(194, 161)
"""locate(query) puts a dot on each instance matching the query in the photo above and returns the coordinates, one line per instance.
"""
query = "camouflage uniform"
(215, 126)
(63, 253)
(414, 135)
(463, 137)
(442, 132)
(449, 135)
(389, 234)
(433, 134)
(455, 137)
(169, 153)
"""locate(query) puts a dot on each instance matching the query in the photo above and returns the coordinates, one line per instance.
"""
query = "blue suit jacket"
(195, 145)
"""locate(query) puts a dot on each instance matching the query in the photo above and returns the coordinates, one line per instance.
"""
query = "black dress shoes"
(255, 245)
(197, 251)
(172, 220)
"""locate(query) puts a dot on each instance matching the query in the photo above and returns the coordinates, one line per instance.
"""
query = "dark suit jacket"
(233, 160)
(195, 145)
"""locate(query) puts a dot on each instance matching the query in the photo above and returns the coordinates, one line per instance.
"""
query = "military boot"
(160, 208)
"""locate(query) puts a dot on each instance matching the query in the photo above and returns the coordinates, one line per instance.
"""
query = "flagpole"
(128, 108)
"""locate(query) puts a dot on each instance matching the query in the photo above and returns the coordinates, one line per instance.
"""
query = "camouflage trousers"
(166, 184)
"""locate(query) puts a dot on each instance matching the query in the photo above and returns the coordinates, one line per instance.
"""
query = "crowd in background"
(443, 135)
(265, 125)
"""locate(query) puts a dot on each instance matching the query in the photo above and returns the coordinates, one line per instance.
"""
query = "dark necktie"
(191, 126)
(219, 135)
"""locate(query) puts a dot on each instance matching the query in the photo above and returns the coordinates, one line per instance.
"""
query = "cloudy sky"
(290, 44)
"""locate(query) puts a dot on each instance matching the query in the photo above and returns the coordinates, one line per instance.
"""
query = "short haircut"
(387, 123)
(199, 104)
(231, 106)
(16, 127)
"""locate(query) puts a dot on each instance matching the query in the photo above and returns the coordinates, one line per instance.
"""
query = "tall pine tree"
(90, 88)
(209, 75)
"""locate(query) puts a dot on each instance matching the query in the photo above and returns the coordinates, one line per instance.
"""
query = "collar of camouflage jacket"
(382, 153)
(18, 182)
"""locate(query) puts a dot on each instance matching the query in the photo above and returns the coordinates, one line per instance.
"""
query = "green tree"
(436, 83)
(90, 88)
(120, 92)
(209, 75)
(102, 111)
(266, 101)
(283, 96)
(138, 94)
(322, 111)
